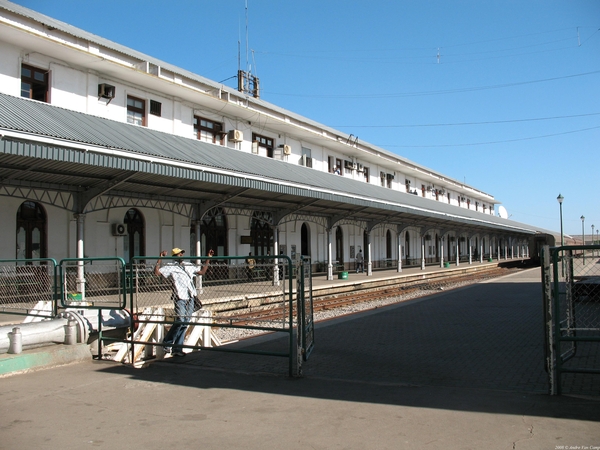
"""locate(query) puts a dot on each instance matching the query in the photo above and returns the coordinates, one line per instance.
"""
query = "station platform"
(462, 369)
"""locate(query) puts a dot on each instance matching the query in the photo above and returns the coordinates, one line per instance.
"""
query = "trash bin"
(342, 275)
(490, 260)
(446, 264)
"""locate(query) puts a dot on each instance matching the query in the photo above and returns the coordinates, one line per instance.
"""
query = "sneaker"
(167, 350)
(179, 353)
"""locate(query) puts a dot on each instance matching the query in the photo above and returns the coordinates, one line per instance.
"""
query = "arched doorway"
(134, 242)
(305, 240)
(213, 233)
(262, 234)
(407, 247)
(339, 246)
(32, 235)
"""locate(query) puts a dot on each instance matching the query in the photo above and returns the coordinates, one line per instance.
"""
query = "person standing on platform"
(250, 263)
(360, 262)
(181, 274)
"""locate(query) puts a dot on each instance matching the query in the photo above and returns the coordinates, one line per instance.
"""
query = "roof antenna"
(247, 83)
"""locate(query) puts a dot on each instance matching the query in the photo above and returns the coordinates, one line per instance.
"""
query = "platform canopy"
(84, 157)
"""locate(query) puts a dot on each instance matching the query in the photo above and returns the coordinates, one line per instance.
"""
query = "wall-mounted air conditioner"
(287, 150)
(119, 229)
(360, 167)
(106, 91)
(235, 136)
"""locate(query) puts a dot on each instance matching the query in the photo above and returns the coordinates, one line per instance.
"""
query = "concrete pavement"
(458, 370)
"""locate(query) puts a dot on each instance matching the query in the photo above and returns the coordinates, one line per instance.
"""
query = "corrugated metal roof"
(185, 158)
(82, 34)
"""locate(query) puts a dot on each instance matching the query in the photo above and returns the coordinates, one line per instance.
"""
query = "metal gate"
(571, 288)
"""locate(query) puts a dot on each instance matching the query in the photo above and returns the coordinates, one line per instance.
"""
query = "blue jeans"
(176, 335)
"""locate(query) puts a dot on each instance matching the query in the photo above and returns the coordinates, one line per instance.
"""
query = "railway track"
(361, 299)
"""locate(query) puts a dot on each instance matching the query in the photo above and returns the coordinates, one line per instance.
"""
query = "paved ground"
(458, 370)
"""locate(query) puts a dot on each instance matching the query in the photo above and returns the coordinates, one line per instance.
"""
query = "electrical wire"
(489, 122)
(489, 142)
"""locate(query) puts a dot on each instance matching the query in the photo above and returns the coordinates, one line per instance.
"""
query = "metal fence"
(571, 287)
(28, 288)
(240, 296)
(92, 283)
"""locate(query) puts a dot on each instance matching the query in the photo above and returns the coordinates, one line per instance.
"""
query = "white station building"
(105, 151)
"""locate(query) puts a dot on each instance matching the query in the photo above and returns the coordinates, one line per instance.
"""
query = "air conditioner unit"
(360, 167)
(106, 91)
(235, 136)
(287, 150)
(348, 165)
(119, 229)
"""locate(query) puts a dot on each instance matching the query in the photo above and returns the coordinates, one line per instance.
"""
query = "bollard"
(70, 333)
(16, 341)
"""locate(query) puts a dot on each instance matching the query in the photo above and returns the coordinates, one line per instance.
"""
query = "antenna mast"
(247, 83)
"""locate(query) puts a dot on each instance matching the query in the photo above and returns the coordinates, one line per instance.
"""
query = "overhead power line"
(489, 122)
(489, 142)
(440, 92)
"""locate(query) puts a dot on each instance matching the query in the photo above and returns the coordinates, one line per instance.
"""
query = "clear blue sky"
(510, 105)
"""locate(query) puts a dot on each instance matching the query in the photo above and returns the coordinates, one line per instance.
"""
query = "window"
(31, 231)
(208, 131)
(382, 177)
(335, 165)
(306, 157)
(136, 111)
(390, 178)
(34, 83)
(155, 108)
(134, 242)
(366, 173)
(264, 143)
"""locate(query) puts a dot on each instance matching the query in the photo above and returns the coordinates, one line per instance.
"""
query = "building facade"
(106, 151)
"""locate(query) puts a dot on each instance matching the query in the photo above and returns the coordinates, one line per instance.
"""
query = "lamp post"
(583, 235)
(593, 239)
(560, 199)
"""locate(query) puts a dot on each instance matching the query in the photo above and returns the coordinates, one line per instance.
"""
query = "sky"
(501, 95)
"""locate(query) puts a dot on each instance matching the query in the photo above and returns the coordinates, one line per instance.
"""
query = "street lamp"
(592, 239)
(583, 235)
(560, 199)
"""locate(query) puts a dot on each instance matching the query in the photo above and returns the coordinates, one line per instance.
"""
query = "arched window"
(339, 245)
(134, 242)
(388, 245)
(407, 246)
(305, 240)
(213, 230)
(261, 232)
(32, 235)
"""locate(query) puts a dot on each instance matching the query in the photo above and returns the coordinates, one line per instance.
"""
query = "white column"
(399, 237)
(80, 254)
(276, 260)
(370, 252)
(329, 264)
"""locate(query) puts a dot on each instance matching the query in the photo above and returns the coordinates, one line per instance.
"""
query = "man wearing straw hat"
(181, 274)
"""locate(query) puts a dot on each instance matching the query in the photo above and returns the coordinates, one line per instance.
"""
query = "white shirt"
(181, 275)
